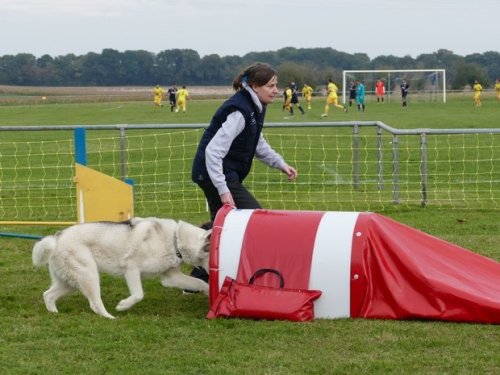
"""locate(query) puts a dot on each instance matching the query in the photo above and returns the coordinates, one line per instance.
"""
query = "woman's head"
(262, 78)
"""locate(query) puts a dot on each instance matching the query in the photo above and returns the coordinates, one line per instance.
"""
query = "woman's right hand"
(291, 172)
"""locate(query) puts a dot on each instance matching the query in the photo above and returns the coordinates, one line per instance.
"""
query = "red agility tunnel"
(366, 265)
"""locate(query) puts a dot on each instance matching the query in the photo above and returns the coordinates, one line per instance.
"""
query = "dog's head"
(193, 243)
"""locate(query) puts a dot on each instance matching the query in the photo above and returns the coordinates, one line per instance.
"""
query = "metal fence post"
(423, 167)
(395, 168)
(355, 156)
(123, 154)
(380, 167)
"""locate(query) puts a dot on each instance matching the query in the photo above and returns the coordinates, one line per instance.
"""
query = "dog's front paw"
(205, 289)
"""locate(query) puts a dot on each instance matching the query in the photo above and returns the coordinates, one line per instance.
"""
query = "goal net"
(426, 85)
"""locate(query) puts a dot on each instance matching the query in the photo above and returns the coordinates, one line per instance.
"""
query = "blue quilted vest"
(238, 161)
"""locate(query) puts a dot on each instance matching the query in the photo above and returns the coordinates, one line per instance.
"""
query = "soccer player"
(405, 88)
(288, 100)
(295, 98)
(307, 92)
(182, 97)
(497, 88)
(380, 91)
(157, 96)
(332, 98)
(478, 88)
(172, 92)
(360, 96)
(352, 93)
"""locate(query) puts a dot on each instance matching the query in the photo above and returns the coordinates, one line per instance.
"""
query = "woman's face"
(268, 92)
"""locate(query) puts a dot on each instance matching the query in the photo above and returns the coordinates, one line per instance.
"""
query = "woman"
(234, 137)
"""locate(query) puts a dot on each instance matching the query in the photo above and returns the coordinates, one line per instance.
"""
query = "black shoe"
(200, 273)
(207, 226)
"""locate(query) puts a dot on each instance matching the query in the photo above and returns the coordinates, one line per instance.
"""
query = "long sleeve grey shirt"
(219, 146)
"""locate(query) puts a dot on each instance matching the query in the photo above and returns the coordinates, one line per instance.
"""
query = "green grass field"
(458, 112)
(167, 333)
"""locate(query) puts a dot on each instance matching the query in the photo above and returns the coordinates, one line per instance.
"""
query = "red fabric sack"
(239, 300)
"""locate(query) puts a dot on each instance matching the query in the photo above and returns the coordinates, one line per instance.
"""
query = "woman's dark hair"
(256, 74)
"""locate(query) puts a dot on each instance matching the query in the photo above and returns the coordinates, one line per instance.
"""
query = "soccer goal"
(426, 85)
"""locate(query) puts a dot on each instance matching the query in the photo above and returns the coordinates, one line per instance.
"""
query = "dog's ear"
(208, 234)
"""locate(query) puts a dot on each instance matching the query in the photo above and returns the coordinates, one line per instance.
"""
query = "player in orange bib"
(380, 91)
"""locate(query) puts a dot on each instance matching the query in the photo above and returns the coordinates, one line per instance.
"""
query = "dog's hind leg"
(175, 278)
(133, 278)
(58, 289)
(90, 287)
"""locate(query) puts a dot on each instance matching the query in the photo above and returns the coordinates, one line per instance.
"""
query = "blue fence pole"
(81, 146)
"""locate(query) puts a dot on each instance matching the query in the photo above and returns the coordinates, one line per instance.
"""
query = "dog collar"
(176, 247)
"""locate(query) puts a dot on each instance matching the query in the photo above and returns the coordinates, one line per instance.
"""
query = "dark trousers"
(241, 196)
(242, 199)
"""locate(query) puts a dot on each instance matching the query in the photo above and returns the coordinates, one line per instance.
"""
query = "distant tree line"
(185, 66)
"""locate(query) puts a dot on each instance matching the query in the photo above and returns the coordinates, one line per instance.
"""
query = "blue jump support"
(21, 235)
(81, 146)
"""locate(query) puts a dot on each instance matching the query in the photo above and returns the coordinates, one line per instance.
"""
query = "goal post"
(431, 81)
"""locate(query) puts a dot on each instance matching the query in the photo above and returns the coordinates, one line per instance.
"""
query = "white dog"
(134, 248)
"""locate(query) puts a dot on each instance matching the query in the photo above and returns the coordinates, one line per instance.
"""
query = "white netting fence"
(340, 169)
(36, 179)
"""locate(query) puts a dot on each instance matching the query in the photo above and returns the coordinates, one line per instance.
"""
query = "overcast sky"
(236, 27)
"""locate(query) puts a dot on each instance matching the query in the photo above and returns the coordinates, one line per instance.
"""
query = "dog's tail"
(42, 250)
